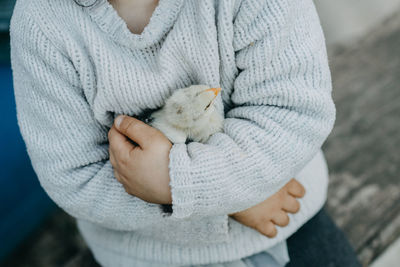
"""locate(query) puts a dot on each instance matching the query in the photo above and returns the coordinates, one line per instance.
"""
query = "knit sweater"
(76, 68)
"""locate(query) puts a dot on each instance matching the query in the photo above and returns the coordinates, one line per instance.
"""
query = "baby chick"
(189, 113)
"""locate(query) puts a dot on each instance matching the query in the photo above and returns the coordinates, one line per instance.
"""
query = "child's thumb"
(134, 129)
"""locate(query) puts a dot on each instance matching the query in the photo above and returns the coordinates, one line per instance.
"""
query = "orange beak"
(215, 90)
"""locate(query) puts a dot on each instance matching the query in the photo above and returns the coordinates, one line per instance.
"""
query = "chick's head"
(187, 106)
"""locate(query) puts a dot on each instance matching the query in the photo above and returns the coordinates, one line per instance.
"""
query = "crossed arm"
(282, 113)
(143, 172)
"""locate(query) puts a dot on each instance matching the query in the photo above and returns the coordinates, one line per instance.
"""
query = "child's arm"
(67, 146)
(283, 111)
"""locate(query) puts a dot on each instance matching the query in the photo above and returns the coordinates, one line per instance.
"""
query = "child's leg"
(320, 243)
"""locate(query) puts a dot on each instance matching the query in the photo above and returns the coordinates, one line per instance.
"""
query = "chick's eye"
(207, 106)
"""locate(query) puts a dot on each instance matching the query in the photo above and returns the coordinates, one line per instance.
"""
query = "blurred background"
(363, 41)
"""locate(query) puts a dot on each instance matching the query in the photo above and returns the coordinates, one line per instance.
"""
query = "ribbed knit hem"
(181, 207)
(243, 241)
(191, 195)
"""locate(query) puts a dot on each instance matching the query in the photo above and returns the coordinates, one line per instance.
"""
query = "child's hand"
(142, 169)
(273, 211)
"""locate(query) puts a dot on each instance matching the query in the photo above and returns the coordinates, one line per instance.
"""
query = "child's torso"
(136, 14)
(127, 78)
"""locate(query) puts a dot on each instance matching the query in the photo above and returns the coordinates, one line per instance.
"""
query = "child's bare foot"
(273, 211)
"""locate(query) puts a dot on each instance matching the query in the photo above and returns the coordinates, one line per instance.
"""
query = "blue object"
(23, 203)
(7, 7)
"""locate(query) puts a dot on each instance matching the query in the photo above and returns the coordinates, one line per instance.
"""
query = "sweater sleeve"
(282, 113)
(68, 147)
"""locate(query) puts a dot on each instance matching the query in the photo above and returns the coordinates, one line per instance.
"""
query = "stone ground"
(390, 257)
(364, 194)
(362, 154)
(347, 20)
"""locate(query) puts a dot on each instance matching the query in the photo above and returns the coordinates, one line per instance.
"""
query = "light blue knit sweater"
(76, 68)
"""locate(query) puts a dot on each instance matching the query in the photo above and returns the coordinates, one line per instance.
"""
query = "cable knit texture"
(75, 69)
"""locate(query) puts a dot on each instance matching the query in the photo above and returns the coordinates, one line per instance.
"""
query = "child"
(79, 64)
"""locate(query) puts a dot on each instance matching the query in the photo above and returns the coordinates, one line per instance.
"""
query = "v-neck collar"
(162, 19)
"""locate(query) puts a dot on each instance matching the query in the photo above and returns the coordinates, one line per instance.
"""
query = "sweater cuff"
(179, 172)
(184, 199)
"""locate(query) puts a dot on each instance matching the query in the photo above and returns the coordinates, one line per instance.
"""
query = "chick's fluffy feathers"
(189, 113)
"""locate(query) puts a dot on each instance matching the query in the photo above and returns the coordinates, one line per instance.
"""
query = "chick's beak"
(215, 90)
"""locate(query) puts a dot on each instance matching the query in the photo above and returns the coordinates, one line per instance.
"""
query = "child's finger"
(291, 204)
(112, 157)
(296, 189)
(268, 229)
(120, 146)
(135, 129)
(281, 218)
(118, 177)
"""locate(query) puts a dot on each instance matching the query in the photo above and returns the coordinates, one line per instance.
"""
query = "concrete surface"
(391, 257)
(345, 21)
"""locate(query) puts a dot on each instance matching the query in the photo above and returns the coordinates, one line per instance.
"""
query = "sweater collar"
(162, 19)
